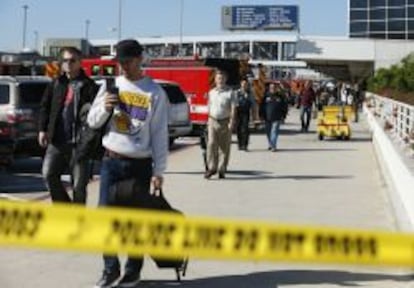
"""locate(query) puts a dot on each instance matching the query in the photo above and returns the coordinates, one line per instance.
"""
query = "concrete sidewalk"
(307, 181)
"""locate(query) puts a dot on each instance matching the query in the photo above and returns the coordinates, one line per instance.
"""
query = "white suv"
(20, 98)
(179, 123)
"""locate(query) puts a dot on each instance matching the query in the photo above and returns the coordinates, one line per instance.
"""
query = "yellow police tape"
(171, 235)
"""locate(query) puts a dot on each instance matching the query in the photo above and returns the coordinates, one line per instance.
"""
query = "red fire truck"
(195, 76)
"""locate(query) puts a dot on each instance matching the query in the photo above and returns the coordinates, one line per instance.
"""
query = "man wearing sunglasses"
(136, 146)
(59, 125)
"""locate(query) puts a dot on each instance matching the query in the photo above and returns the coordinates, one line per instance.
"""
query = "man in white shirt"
(136, 144)
(222, 105)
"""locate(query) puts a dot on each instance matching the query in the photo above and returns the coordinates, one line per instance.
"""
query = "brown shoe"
(209, 173)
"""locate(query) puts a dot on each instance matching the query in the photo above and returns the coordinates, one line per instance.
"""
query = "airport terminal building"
(381, 19)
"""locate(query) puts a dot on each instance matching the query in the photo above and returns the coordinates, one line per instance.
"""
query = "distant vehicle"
(196, 78)
(179, 123)
(20, 98)
(7, 144)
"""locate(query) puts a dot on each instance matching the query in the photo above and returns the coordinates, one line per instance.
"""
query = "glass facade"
(265, 50)
(288, 51)
(209, 49)
(236, 49)
(154, 50)
(381, 19)
(242, 49)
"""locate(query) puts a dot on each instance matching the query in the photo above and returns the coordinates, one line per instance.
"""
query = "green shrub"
(396, 82)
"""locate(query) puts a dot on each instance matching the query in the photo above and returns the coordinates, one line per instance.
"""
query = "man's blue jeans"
(114, 170)
(58, 159)
(272, 131)
(305, 117)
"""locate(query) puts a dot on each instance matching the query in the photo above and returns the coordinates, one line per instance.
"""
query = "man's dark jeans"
(305, 117)
(58, 161)
(243, 129)
(113, 171)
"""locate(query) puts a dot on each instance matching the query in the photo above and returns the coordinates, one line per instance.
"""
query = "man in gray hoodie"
(136, 144)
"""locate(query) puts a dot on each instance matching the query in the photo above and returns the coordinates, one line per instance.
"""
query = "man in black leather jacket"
(274, 110)
(59, 125)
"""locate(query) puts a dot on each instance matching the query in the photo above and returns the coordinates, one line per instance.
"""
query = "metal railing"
(396, 117)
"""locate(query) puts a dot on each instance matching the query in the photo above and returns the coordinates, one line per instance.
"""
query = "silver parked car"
(179, 123)
(20, 98)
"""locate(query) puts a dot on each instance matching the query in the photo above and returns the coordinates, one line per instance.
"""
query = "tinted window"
(375, 3)
(396, 2)
(377, 14)
(377, 35)
(359, 3)
(396, 13)
(212, 49)
(32, 93)
(174, 93)
(235, 49)
(377, 26)
(396, 36)
(4, 94)
(288, 51)
(359, 14)
(410, 12)
(359, 27)
(396, 26)
(411, 25)
(265, 50)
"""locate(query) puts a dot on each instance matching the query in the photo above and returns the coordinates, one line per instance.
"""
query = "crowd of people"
(132, 116)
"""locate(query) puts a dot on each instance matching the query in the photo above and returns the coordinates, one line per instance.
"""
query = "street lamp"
(180, 52)
(25, 7)
(36, 39)
(87, 23)
(119, 19)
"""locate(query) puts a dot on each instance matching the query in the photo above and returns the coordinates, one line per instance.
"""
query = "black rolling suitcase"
(159, 202)
(122, 195)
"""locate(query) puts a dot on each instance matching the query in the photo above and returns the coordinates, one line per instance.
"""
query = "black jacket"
(274, 107)
(53, 98)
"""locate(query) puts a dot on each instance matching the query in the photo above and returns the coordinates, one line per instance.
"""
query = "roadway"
(307, 181)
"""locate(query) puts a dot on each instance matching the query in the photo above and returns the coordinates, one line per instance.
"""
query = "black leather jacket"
(53, 98)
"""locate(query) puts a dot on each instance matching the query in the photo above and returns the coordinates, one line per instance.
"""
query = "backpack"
(89, 140)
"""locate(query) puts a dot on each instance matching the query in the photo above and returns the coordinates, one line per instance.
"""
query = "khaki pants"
(218, 146)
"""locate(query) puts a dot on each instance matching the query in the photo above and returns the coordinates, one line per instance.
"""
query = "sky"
(67, 19)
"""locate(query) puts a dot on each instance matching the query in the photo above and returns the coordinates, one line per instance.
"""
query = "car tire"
(171, 142)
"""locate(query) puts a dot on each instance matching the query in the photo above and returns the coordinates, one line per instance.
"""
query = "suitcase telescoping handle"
(157, 192)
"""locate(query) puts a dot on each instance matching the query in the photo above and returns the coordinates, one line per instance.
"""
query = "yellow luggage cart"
(333, 121)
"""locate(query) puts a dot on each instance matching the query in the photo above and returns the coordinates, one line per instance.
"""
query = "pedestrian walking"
(221, 105)
(306, 100)
(274, 109)
(244, 105)
(136, 144)
(59, 127)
